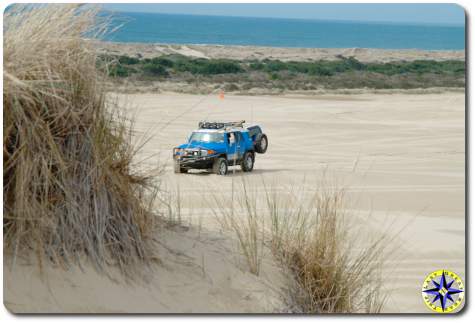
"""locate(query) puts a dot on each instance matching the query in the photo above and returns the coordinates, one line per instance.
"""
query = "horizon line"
(376, 22)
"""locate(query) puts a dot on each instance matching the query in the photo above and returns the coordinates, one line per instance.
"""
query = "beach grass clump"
(329, 268)
(241, 216)
(331, 271)
(70, 188)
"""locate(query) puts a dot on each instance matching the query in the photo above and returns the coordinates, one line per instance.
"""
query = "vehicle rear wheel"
(247, 163)
(261, 143)
(178, 169)
(220, 166)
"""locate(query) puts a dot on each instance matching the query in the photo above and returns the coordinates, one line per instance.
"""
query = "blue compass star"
(442, 291)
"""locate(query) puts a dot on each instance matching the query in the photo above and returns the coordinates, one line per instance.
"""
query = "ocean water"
(189, 29)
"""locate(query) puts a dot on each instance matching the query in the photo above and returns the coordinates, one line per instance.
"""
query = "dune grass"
(241, 216)
(69, 184)
(333, 272)
(329, 269)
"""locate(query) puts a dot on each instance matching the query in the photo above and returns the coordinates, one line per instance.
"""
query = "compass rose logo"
(443, 291)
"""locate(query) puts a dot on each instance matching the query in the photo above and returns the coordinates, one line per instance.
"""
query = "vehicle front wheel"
(220, 166)
(178, 169)
(247, 163)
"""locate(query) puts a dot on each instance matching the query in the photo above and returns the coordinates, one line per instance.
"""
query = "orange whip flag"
(221, 95)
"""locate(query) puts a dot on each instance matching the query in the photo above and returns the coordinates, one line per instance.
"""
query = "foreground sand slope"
(200, 272)
(400, 156)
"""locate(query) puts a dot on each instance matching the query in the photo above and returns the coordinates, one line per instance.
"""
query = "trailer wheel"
(220, 166)
(261, 143)
(247, 163)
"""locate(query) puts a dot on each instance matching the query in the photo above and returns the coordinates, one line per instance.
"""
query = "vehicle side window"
(254, 131)
(240, 137)
(231, 138)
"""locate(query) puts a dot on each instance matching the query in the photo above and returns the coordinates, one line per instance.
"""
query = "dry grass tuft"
(69, 186)
(332, 271)
(242, 217)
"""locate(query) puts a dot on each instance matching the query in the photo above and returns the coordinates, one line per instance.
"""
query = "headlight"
(211, 152)
(177, 151)
(206, 152)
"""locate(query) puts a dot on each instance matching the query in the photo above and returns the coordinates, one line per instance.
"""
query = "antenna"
(252, 113)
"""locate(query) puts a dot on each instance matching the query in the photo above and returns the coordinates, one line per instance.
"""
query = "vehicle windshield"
(207, 137)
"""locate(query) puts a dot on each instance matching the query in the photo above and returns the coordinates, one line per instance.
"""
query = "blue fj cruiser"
(218, 145)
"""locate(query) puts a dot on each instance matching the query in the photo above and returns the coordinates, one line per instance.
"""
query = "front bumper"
(197, 162)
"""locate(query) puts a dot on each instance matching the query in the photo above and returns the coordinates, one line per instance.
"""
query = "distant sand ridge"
(366, 55)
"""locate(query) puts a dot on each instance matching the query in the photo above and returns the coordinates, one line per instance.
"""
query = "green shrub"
(126, 60)
(162, 61)
(344, 72)
(117, 70)
(221, 67)
(154, 69)
(256, 66)
(349, 64)
(208, 67)
(419, 67)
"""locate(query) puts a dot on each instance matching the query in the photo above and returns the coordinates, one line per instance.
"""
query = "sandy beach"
(401, 158)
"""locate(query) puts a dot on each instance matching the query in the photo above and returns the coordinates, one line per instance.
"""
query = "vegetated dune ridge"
(401, 158)
(142, 68)
(366, 55)
(68, 185)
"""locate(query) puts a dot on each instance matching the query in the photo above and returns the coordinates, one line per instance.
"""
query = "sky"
(450, 14)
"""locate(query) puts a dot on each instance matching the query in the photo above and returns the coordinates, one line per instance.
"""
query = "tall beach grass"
(69, 186)
(330, 268)
(242, 217)
(334, 270)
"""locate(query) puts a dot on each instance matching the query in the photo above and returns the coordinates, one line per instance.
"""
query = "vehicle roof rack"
(220, 125)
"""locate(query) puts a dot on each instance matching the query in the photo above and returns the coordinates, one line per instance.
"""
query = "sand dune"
(282, 53)
(199, 274)
(400, 156)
